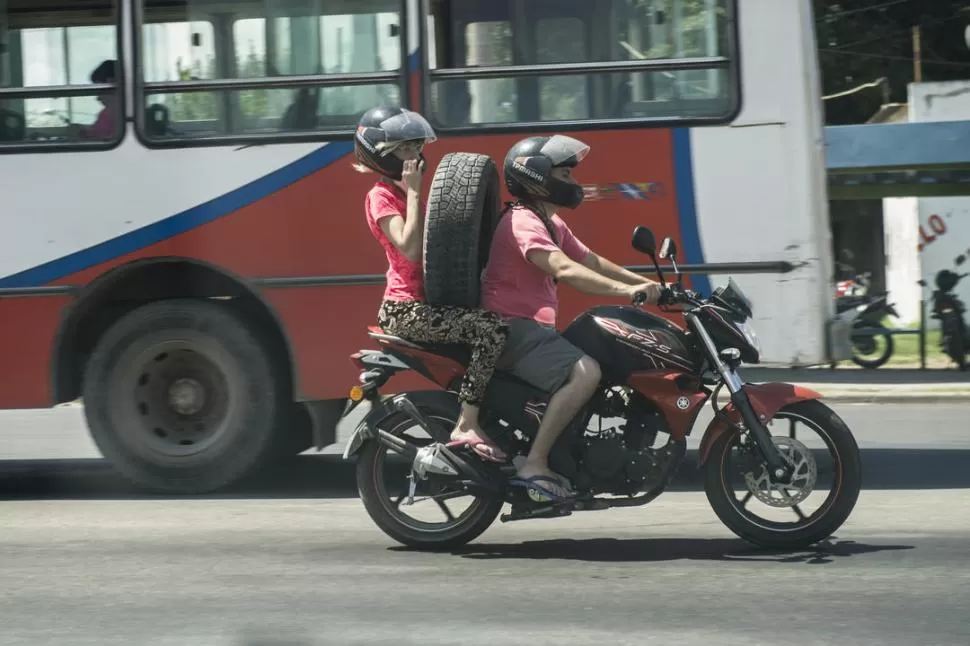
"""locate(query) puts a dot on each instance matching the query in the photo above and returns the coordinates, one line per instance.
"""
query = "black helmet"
(379, 128)
(529, 164)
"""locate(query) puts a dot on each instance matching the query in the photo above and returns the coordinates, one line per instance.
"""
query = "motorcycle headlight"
(750, 336)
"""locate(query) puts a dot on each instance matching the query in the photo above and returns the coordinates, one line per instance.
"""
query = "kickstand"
(412, 485)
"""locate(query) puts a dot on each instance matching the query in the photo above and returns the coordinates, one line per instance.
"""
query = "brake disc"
(804, 476)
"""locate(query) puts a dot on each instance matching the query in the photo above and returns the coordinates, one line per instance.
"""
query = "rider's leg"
(540, 356)
(582, 383)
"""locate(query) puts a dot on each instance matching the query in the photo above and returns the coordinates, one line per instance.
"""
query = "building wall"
(927, 235)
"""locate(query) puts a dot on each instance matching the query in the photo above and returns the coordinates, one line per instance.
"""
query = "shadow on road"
(611, 550)
(328, 476)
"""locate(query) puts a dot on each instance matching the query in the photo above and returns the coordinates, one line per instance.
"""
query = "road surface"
(294, 560)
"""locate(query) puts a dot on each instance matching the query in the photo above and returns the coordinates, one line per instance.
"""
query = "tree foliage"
(861, 42)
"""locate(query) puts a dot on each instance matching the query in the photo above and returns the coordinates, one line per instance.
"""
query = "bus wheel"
(181, 397)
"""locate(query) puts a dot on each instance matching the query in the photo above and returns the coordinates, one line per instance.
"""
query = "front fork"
(726, 364)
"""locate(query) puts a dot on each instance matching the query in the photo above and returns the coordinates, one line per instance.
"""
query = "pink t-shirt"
(405, 279)
(514, 287)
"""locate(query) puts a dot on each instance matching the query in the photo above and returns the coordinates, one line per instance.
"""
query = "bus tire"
(182, 397)
(462, 214)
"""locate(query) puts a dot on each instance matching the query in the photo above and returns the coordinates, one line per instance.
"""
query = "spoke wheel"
(825, 483)
(442, 514)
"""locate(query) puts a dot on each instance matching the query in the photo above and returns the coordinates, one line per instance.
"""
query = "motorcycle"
(657, 376)
(856, 304)
(948, 309)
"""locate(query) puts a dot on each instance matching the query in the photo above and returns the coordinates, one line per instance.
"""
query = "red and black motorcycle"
(656, 378)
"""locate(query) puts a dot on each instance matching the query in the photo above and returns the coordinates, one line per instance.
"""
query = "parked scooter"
(949, 309)
(856, 304)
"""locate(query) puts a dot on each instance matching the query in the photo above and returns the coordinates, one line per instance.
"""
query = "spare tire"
(463, 211)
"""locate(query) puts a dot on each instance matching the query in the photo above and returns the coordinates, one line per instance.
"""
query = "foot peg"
(548, 510)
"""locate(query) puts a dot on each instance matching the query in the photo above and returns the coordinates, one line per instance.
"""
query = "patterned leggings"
(486, 333)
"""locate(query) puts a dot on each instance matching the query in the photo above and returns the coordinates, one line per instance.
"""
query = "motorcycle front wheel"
(736, 479)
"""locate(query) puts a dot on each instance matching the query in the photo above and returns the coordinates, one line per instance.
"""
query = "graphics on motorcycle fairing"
(646, 342)
(536, 409)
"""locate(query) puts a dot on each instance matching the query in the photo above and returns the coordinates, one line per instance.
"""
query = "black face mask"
(564, 194)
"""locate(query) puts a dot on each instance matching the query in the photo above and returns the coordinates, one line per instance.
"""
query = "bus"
(184, 249)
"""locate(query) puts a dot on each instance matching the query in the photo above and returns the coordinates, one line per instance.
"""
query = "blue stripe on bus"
(686, 207)
(180, 222)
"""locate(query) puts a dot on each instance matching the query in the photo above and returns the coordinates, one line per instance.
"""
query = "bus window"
(583, 60)
(59, 76)
(180, 51)
(293, 67)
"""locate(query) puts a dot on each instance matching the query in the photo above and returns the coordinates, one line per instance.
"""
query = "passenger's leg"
(485, 332)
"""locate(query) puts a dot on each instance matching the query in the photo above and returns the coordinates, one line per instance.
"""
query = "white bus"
(184, 246)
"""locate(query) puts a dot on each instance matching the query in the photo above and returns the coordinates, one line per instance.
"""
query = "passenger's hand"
(413, 171)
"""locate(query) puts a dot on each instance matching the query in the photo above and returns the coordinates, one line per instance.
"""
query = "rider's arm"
(562, 268)
(406, 234)
(607, 268)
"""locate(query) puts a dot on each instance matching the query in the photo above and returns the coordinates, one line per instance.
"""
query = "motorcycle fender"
(366, 429)
(766, 400)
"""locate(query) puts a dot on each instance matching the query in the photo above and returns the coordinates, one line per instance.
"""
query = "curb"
(896, 398)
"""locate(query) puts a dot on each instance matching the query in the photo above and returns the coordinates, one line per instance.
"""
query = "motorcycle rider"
(532, 250)
(390, 141)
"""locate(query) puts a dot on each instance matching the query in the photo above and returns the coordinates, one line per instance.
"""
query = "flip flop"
(481, 448)
(532, 484)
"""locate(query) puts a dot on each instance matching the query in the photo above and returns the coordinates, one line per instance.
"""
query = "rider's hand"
(650, 290)
(412, 174)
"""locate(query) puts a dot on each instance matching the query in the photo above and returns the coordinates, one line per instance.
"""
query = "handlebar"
(672, 294)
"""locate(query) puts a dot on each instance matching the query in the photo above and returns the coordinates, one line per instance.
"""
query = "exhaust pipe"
(435, 458)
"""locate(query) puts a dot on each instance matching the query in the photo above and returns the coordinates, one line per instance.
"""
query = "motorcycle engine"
(620, 460)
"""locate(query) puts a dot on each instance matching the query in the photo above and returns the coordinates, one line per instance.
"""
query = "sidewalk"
(885, 385)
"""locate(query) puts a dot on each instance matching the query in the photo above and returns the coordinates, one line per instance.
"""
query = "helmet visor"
(407, 126)
(564, 151)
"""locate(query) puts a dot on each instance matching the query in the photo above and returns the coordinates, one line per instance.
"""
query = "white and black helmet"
(529, 164)
(381, 129)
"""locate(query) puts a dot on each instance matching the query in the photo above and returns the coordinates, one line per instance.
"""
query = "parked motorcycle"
(949, 309)
(656, 378)
(864, 309)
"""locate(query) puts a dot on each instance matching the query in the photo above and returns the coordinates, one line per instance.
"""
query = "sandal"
(485, 449)
(541, 493)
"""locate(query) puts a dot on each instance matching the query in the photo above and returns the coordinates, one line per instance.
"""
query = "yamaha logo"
(683, 403)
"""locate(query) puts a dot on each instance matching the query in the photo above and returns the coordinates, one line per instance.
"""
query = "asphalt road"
(294, 560)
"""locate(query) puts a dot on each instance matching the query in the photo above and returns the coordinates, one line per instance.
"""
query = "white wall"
(926, 235)
(900, 215)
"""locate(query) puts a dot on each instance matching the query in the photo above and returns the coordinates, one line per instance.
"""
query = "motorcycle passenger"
(390, 141)
(532, 250)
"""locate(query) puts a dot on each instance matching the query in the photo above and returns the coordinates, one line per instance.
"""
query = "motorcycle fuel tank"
(625, 339)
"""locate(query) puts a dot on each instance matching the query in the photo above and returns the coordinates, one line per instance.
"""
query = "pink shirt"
(514, 287)
(405, 279)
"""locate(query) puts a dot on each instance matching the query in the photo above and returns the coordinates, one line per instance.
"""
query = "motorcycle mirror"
(644, 241)
(668, 248)
(961, 259)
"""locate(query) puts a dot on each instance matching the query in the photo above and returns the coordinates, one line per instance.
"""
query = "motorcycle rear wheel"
(386, 514)
(863, 348)
(846, 485)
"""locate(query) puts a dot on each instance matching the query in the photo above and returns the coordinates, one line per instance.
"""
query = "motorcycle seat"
(457, 351)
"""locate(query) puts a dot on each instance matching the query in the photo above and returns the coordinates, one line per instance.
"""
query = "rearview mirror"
(644, 241)
(668, 248)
